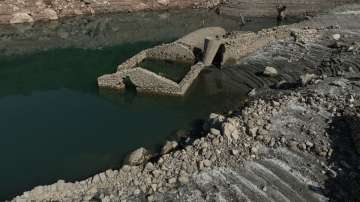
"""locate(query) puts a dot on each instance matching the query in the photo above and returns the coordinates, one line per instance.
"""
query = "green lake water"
(56, 124)
(173, 70)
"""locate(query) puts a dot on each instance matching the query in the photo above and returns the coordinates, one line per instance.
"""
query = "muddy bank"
(293, 141)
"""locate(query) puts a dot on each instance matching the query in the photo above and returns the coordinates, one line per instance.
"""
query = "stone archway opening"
(219, 57)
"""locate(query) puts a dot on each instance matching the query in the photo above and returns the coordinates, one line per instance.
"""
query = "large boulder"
(138, 157)
(21, 18)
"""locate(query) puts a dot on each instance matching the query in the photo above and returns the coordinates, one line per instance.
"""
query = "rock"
(254, 150)
(234, 152)
(138, 157)
(163, 2)
(149, 166)
(150, 198)
(302, 146)
(87, 1)
(203, 164)
(336, 36)
(169, 146)
(95, 179)
(293, 145)
(270, 71)
(214, 121)
(252, 92)
(154, 187)
(21, 18)
(215, 131)
(339, 83)
(320, 150)
(235, 135)
(183, 179)
(332, 173)
(228, 129)
(216, 141)
(137, 192)
(172, 180)
(306, 78)
(309, 144)
(281, 84)
(253, 131)
(156, 173)
(50, 14)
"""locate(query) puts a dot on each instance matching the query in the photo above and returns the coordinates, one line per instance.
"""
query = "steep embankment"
(291, 142)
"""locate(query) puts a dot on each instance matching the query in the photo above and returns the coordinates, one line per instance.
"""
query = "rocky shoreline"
(20, 11)
(295, 139)
(14, 12)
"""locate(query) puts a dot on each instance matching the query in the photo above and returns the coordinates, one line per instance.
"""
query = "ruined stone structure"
(149, 82)
(236, 46)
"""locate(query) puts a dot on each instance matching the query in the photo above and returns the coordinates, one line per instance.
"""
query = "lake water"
(173, 70)
(54, 121)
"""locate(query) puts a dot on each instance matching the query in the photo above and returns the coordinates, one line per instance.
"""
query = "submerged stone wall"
(239, 44)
